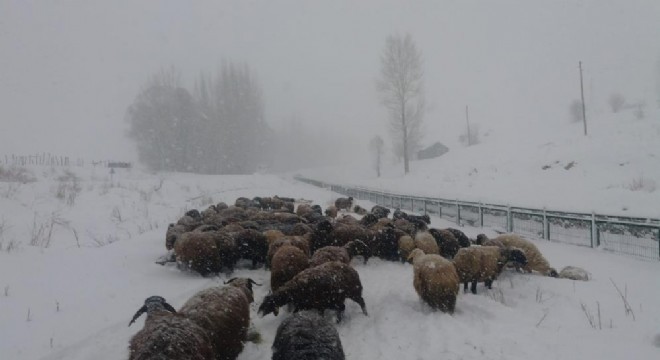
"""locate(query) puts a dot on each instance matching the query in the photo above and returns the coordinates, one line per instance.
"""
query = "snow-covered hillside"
(71, 294)
(615, 170)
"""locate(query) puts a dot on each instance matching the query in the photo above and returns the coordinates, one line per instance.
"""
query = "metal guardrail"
(626, 235)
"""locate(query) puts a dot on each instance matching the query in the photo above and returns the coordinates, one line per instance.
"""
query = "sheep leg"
(363, 306)
(473, 287)
(465, 285)
(489, 283)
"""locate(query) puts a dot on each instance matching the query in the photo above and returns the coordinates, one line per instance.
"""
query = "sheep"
(252, 245)
(304, 210)
(481, 238)
(287, 262)
(483, 264)
(426, 242)
(446, 242)
(406, 246)
(245, 203)
(535, 260)
(368, 220)
(206, 252)
(359, 210)
(331, 211)
(173, 232)
(168, 335)
(342, 234)
(386, 244)
(344, 203)
(322, 287)
(321, 236)
(272, 235)
(340, 253)
(574, 273)
(435, 280)
(224, 312)
(347, 220)
(405, 225)
(380, 211)
(463, 240)
(221, 206)
(297, 241)
(307, 335)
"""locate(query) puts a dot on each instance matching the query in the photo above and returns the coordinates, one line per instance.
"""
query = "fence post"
(458, 213)
(412, 204)
(658, 238)
(439, 209)
(545, 226)
(392, 201)
(509, 223)
(481, 215)
(593, 229)
(424, 206)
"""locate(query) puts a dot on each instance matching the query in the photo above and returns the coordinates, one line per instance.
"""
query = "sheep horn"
(169, 307)
(142, 310)
(230, 280)
(253, 282)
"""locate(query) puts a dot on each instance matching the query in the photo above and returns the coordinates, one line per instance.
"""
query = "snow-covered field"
(71, 294)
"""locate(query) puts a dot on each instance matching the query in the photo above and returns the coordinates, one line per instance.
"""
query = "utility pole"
(467, 119)
(584, 111)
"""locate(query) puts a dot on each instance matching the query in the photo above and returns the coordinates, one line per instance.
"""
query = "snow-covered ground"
(73, 299)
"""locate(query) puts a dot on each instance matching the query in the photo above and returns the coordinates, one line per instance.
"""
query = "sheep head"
(415, 253)
(481, 238)
(268, 306)
(358, 247)
(244, 284)
(552, 273)
(152, 304)
(514, 255)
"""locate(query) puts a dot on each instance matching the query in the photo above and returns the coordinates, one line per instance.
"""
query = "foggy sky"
(69, 69)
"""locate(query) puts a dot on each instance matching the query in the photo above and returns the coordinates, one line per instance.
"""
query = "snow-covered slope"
(73, 299)
(615, 170)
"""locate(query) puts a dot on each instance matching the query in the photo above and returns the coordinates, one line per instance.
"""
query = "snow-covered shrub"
(68, 187)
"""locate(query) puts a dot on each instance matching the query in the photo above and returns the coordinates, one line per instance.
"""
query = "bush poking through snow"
(68, 187)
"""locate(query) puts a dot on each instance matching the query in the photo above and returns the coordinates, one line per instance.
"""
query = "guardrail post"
(481, 215)
(424, 206)
(658, 243)
(439, 209)
(509, 222)
(593, 229)
(458, 213)
(545, 226)
(412, 204)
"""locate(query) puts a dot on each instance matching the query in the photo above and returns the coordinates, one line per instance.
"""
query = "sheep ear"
(253, 282)
(142, 310)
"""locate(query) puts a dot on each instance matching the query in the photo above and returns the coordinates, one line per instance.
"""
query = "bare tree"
(376, 146)
(401, 91)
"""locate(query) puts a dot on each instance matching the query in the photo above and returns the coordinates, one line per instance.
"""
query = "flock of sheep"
(308, 251)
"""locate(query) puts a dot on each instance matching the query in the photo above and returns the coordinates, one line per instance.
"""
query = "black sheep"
(307, 335)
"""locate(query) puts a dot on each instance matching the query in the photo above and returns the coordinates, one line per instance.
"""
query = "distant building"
(432, 151)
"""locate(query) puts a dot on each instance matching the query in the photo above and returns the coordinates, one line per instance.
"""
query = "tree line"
(217, 128)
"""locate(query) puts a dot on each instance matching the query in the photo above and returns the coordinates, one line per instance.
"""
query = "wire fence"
(626, 235)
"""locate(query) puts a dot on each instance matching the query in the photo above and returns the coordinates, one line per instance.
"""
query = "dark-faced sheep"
(322, 287)
(307, 335)
(321, 236)
(287, 262)
(340, 253)
(344, 203)
(252, 245)
(435, 280)
(386, 244)
(447, 243)
(535, 260)
(380, 211)
(224, 312)
(360, 210)
(463, 240)
(368, 220)
(168, 335)
(483, 264)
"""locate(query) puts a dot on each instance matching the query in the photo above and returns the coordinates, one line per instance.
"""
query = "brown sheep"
(272, 235)
(287, 262)
(342, 234)
(173, 232)
(297, 241)
(360, 210)
(426, 242)
(340, 253)
(252, 245)
(206, 252)
(331, 212)
(435, 280)
(168, 335)
(224, 312)
(322, 287)
(344, 203)
(406, 246)
(535, 260)
(483, 264)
